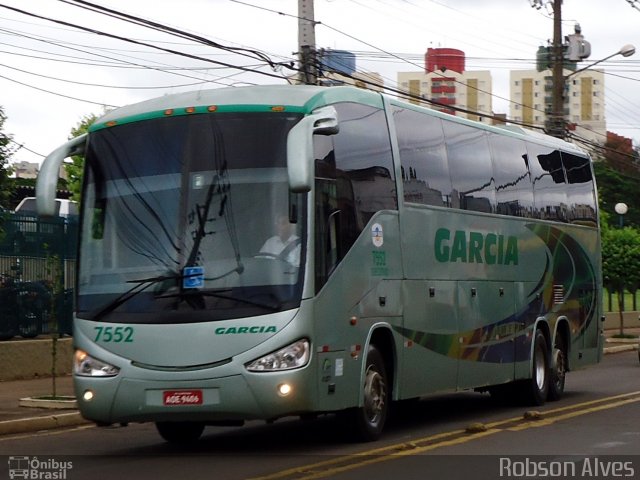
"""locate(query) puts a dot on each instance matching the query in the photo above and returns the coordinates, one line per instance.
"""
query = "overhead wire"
(50, 41)
(166, 29)
(241, 50)
(102, 104)
(137, 42)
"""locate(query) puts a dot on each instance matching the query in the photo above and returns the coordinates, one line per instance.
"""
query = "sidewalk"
(18, 419)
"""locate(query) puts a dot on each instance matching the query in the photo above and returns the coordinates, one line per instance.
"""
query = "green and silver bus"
(423, 253)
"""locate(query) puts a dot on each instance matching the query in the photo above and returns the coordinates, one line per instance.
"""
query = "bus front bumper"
(231, 398)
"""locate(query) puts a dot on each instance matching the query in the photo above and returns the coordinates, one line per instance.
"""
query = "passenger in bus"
(285, 245)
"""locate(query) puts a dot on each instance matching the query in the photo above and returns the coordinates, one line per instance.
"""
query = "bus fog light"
(284, 389)
(87, 396)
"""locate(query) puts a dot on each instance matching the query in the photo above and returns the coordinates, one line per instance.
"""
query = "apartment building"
(584, 106)
(446, 82)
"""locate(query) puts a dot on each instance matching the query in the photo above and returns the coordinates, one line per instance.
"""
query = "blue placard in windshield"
(193, 277)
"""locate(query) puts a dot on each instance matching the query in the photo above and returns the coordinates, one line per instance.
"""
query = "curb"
(620, 348)
(35, 424)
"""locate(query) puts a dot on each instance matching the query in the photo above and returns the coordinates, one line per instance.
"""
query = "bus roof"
(294, 98)
(289, 98)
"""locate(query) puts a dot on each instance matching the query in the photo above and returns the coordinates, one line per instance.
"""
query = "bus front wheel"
(368, 420)
(180, 432)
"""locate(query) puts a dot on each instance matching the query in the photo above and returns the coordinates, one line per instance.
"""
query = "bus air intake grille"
(186, 368)
(558, 294)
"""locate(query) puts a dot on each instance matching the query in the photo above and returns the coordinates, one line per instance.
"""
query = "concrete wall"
(630, 320)
(21, 359)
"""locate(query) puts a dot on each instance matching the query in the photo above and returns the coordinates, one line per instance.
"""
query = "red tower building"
(444, 59)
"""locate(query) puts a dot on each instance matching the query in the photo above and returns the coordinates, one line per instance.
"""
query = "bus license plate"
(182, 397)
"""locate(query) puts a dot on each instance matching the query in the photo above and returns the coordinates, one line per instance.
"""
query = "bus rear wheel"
(368, 420)
(536, 389)
(180, 432)
(558, 369)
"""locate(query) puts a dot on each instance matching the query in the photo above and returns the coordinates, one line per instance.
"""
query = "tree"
(614, 187)
(75, 169)
(6, 184)
(621, 262)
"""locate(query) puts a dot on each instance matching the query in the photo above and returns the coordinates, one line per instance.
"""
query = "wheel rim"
(541, 370)
(374, 395)
(560, 367)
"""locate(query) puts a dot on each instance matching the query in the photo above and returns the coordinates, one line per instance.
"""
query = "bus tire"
(180, 432)
(536, 389)
(558, 369)
(368, 421)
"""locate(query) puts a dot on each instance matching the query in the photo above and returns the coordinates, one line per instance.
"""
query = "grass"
(628, 301)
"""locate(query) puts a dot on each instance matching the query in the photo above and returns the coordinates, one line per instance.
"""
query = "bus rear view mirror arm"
(48, 177)
(323, 121)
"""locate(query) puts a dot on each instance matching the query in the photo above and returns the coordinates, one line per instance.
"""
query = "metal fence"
(37, 274)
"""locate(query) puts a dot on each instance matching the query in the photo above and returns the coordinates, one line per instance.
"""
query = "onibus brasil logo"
(38, 469)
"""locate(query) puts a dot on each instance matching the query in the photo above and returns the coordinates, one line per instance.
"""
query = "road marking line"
(445, 439)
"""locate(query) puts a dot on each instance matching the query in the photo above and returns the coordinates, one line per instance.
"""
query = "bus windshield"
(190, 219)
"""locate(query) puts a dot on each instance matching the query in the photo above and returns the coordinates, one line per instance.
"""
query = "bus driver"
(285, 245)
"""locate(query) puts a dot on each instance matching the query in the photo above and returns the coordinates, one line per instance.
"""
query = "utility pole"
(556, 124)
(307, 43)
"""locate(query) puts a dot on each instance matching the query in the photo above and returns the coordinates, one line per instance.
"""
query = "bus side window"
(470, 167)
(514, 192)
(549, 185)
(354, 180)
(425, 173)
(581, 193)
(332, 208)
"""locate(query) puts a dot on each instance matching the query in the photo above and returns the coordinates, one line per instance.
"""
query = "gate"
(37, 274)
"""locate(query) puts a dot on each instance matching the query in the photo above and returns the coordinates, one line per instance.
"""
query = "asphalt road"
(464, 435)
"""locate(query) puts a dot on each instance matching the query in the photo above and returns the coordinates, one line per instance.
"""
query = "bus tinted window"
(470, 167)
(425, 173)
(363, 152)
(581, 194)
(354, 179)
(514, 192)
(549, 186)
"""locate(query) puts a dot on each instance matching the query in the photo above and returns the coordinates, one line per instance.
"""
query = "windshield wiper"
(140, 286)
(190, 294)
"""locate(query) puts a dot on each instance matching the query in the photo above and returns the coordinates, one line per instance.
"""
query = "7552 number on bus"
(114, 334)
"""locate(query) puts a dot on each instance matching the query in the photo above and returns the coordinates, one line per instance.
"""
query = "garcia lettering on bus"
(475, 247)
(252, 329)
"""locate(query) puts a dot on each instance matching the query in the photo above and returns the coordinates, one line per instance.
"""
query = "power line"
(252, 53)
(137, 42)
(22, 146)
(102, 104)
(75, 82)
(50, 41)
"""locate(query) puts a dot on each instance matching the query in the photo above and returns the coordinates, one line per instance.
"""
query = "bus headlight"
(292, 356)
(87, 366)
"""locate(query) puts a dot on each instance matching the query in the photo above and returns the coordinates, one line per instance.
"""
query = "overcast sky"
(51, 75)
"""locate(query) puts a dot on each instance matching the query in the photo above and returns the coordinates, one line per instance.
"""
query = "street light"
(556, 121)
(621, 209)
(625, 51)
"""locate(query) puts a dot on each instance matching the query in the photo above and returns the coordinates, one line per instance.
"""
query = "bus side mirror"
(47, 182)
(300, 159)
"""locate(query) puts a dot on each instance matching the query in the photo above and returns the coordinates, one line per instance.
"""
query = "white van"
(64, 207)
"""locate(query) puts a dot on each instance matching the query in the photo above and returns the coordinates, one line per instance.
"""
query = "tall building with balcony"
(584, 107)
(445, 84)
